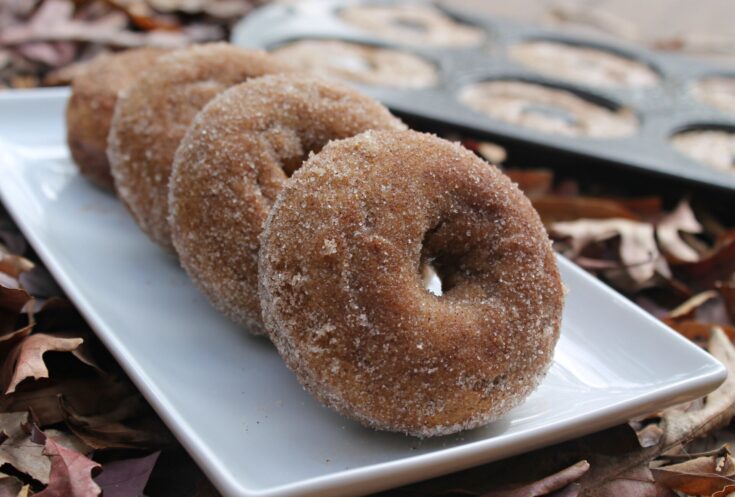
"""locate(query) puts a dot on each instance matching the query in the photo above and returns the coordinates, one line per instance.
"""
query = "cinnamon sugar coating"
(152, 117)
(89, 110)
(341, 287)
(233, 162)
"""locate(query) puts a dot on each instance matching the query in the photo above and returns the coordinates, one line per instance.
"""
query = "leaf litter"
(72, 424)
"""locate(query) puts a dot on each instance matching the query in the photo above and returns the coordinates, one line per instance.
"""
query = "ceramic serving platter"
(229, 398)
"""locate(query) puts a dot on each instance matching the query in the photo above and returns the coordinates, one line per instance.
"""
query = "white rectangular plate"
(229, 398)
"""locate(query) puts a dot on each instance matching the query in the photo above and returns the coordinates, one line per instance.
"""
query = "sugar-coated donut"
(548, 109)
(415, 24)
(89, 110)
(717, 92)
(713, 147)
(152, 117)
(341, 286)
(232, 164)
(359, 63)
(584, 64)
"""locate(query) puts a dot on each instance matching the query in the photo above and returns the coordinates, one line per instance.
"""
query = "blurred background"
(40, 40)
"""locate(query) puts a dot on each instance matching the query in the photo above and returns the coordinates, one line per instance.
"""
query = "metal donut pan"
(662, 110)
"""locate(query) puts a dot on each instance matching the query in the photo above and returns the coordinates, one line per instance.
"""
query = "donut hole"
(289, 165)
(430, 278)
(444, 251)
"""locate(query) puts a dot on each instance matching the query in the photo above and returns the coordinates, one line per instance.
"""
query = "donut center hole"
(289, 165)
(430, 279)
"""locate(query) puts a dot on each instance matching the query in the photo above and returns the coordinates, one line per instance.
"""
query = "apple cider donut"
(343, 300)
(233, 162)
(152, 117)
(414, 23)
(89, 111)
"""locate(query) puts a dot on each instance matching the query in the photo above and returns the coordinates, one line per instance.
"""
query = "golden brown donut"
(232, 164)
(89, 110)
(152, 117)
(341, 286)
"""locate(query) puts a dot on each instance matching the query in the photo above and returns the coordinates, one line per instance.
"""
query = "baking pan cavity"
(418, 25)
(549, 109)
(604, 102)
(708, 144)
(585, 63)
(362, 63)
(717, 91)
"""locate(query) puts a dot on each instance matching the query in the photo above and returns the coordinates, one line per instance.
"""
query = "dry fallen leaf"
(635, 482)
(727, 292)
(680, 426)
(10, 486)
(88, 395)
(717, 265)
(533, 182)
(687, 309)
(552, 483)
(25, 360)
(25, 456)
(71, 473)
(130, 425)
(638, 249)
(700, 476)
(667, 231)
(555, 209)
(126, 477)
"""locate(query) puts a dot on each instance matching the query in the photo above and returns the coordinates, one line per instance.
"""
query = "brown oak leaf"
(129, 425)
(716, 265)
(88, 395)
(700, 476)
(725, 492)
(533, 182)
(25, 360)
(727, 292)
